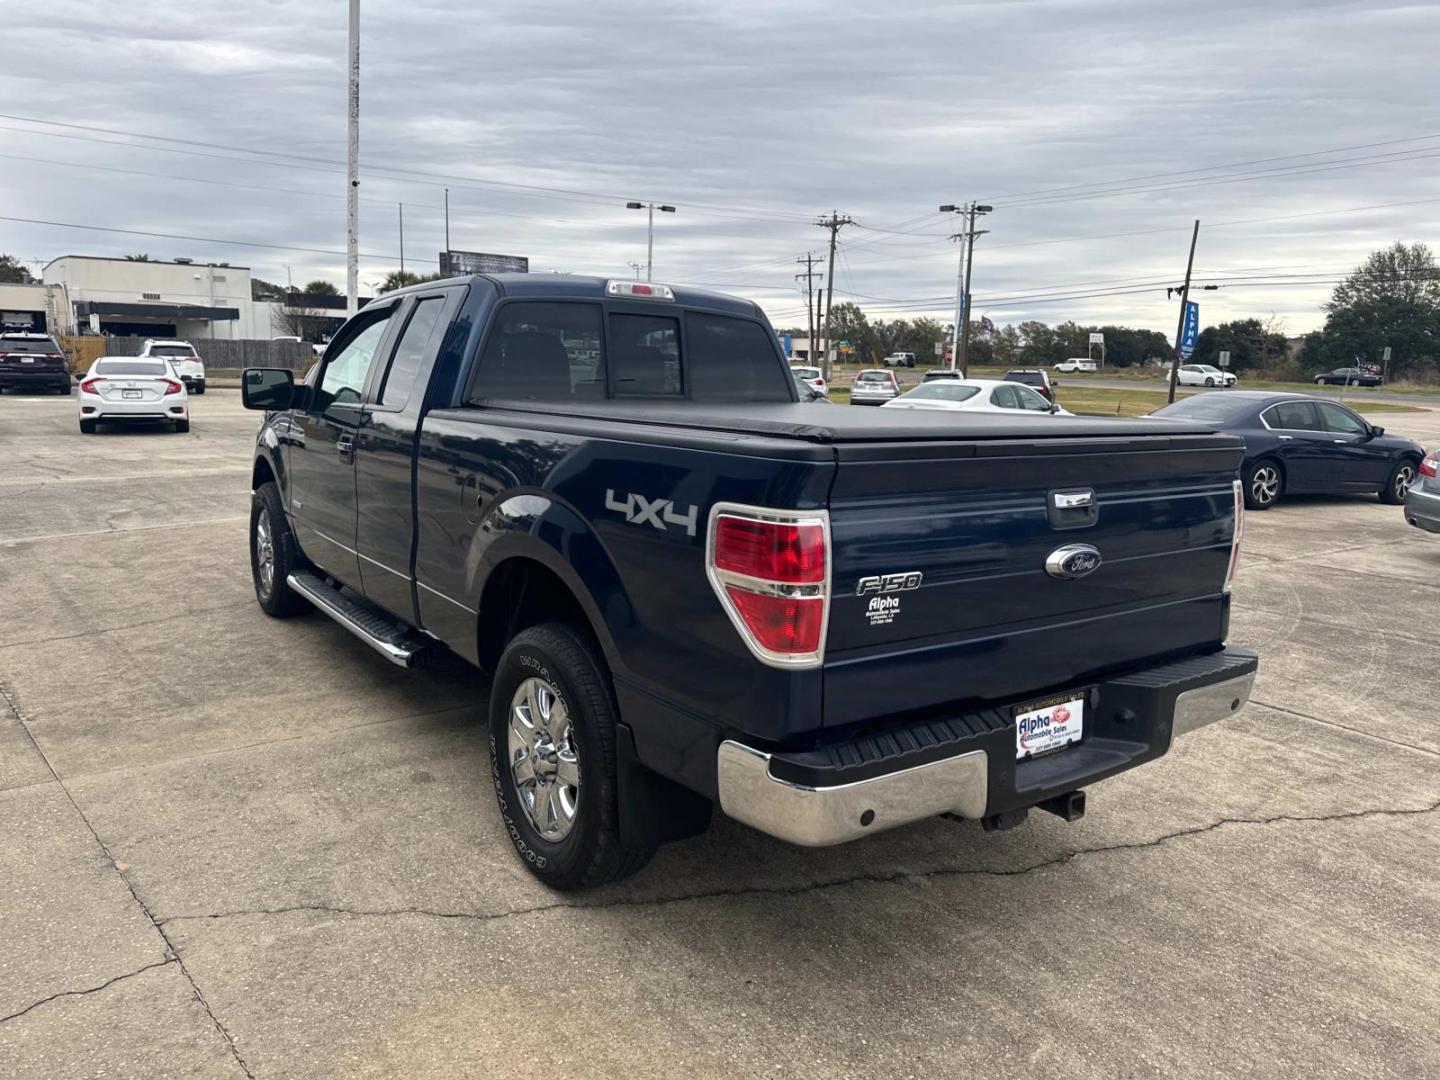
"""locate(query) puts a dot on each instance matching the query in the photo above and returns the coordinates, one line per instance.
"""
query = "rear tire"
(552, 721)
(1393, 493)
(87, 427)
(182, 426)
(274, 555)
(1263, 484)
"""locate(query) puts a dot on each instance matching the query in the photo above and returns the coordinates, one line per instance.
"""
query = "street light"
(650, 242)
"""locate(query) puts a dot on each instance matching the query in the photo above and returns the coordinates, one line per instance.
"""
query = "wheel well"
(261, 474)
(519, 593)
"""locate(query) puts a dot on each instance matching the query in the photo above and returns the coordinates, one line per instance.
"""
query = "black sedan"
(1348, 376)
(1295, 444)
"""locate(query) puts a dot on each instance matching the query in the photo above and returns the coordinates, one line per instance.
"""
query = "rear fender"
(539, 527)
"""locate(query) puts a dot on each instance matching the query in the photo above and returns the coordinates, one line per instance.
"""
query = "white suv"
(1076, 363)
(183, 358)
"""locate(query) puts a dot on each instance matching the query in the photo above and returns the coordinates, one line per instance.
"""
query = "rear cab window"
(569, 350)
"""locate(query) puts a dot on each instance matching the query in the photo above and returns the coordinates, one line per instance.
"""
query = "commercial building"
(156, 298)
(31, 307)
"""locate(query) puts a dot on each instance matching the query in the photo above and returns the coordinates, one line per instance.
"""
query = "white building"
(177, 298)
(31, 307)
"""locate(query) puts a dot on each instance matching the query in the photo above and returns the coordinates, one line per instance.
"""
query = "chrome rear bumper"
(820, 816)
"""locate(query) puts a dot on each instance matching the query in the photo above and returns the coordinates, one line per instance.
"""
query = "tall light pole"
(634, 266)
(960, 342)
(352, 170)
(402, 236)
(650, 242)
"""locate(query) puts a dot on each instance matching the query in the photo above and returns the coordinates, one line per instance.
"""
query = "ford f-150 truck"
(691, 588)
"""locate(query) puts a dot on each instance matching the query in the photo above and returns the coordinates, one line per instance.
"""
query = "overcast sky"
(752, 118)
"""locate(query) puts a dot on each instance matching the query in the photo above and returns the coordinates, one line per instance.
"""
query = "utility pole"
(809, 275)
(402, 236)
(650, 238)
(834, 223)
(352, 170)
(635, 266)
(960, 336)
(1180, 323)
(447, 219)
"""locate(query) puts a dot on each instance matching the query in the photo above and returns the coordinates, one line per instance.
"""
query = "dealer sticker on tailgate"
(1048, 725)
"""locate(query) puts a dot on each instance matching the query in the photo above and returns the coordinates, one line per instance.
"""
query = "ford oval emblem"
(1072, 561)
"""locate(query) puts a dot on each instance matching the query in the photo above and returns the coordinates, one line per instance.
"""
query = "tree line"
(1391, 299)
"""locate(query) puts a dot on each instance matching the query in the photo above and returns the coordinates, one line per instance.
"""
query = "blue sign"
(787, 342)
(1191, 333)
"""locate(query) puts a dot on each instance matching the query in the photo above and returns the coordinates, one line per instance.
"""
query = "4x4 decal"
(639, 510)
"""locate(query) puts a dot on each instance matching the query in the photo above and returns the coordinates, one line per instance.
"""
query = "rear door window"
(1003, 397)
(645, 355)
(416, 343)
(1292, 416)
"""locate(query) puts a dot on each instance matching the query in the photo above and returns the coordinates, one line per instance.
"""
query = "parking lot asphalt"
(231, 846)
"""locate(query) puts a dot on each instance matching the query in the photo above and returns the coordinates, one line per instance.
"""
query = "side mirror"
(1376, 431)
(78, 376)
(1054, 408)
(1054, 382)
(267, 389)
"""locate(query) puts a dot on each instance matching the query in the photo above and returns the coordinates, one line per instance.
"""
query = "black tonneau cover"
(854, 424)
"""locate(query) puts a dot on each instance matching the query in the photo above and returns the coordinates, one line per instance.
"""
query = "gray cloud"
(752, 118)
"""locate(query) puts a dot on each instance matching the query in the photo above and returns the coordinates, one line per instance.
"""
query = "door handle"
(346, 446)
(1342, 442)
(1286, 438)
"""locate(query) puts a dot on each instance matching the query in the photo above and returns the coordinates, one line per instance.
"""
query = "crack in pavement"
(897, 877)
(171, 952)
(91, 989)
(133, 626)
(1344, 727)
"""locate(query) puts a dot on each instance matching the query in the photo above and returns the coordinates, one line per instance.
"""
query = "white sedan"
(132, 390)
(1204, 375)
(812, 377)
(975, 395)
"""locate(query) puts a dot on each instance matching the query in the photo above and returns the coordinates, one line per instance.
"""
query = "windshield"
(130, 367)
(172, 350)
(942, 391)
(1207, 407)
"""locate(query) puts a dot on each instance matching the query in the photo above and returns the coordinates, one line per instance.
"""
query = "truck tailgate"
(941, 594)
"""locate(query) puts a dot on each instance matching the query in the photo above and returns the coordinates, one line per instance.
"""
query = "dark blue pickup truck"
(690, 587)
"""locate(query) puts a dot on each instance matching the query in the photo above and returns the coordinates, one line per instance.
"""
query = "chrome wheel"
(543, 760)
(1265, 485)
(1403, 478)
(264, 552)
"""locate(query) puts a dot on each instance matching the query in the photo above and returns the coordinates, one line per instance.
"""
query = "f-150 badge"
(639, 510)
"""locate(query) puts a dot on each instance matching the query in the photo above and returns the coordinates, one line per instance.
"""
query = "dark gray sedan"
(1296, 443)
(1422, 500)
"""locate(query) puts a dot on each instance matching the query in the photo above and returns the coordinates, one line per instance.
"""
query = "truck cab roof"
(588, 287)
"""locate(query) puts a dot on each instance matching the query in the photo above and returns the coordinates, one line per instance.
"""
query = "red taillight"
(819, 381)
(782, 552)
(770, 569)
(1236, 536)
(1431, 465)
(172, 387)
(89, 385)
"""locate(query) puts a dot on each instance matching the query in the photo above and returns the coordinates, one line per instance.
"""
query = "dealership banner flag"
(1191, 333)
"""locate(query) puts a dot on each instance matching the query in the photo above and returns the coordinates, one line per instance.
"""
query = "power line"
(1216, 168)
(192, 239)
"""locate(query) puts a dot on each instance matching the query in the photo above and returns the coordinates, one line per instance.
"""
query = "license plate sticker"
(1048, 725)
(130, 393)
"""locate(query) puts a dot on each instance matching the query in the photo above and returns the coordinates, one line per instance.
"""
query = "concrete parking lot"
(231, 846)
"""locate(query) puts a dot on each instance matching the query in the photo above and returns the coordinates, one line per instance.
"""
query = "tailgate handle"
(1072, 509)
